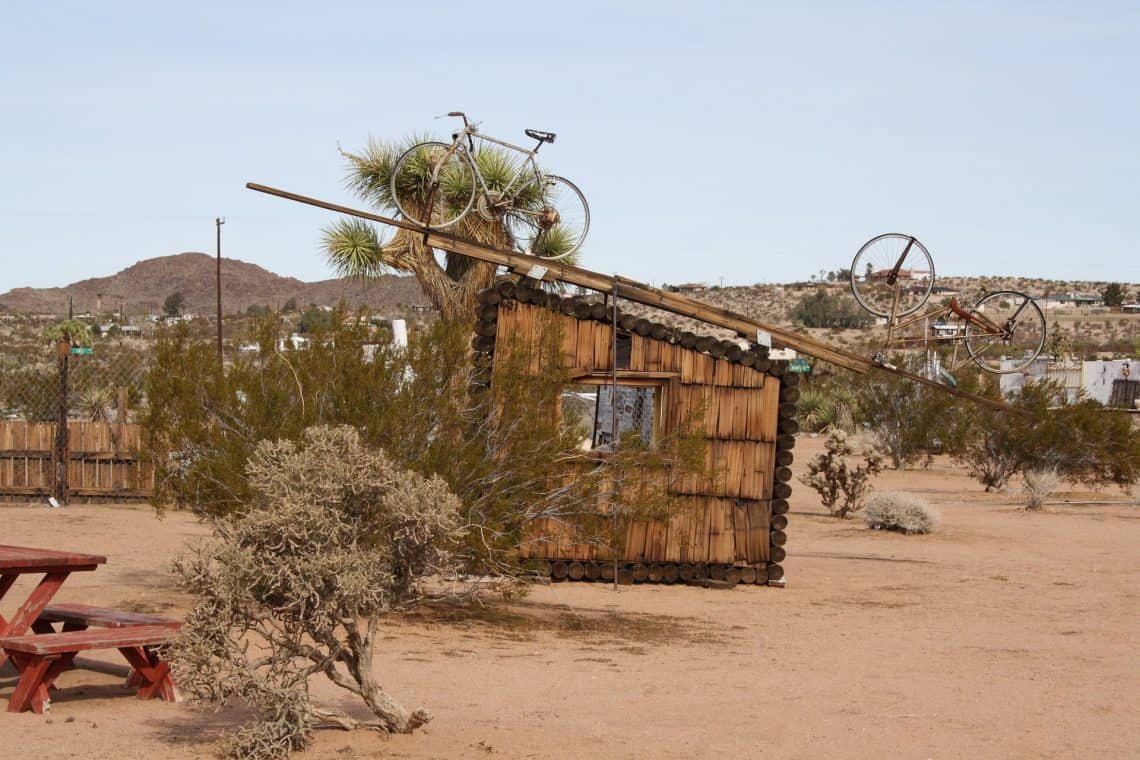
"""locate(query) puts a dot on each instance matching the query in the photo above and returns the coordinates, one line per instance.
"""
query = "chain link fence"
(101, 383)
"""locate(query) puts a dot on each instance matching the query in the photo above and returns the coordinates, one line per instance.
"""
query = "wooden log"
(686, 571)
(688, 340)
(606, 571)
(627, 322)
(559, 570)
(671, 573)
(506, 289)
(488, 313)
(784, 458)
(781, 491)
(748, 359)
(600, 312)
(748, 575)
(732, 575)
(566, 306)
(717, 572)
(625, 576)
(783, 474)
(775, 572)
(658, 331)
(777, 553)
(704, 344)
(488, 297)
(785, 442)
(487, 329)
(787, 408)
(717, 350)
(643, 327)
(640, 573)
(700, 571)
(576, 571)
(483, 343)
(763, 365)
(583, 309)
(777, 538)
(656, 573)
(790, 394)
(792, 379)
(779, 522)
(733, 352)
(779, 506)
(593, 571)
(788, 425)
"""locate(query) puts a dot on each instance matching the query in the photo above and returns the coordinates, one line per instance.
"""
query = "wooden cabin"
(738, 403)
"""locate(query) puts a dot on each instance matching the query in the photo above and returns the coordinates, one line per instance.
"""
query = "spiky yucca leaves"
(354, 248)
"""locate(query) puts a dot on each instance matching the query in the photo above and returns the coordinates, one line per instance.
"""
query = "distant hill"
(143, 287)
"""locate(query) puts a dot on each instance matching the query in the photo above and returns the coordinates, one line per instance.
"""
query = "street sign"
(799, 364)
(82, 350)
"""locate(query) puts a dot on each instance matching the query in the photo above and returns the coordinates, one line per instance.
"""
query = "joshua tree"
(355, 248)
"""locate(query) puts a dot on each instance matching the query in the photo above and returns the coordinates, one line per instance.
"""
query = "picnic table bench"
(77, 617)
(41, 657)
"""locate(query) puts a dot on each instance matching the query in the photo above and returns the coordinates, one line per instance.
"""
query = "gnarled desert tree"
(356, 248)
(296, 585)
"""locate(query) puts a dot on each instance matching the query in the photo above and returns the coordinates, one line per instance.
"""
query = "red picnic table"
(55, 567)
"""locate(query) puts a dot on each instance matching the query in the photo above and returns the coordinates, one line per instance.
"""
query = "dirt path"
(1004, 635)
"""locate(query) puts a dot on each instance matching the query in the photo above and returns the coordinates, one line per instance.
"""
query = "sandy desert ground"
(1005, 635)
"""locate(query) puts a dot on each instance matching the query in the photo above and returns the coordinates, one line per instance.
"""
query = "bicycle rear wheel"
(890, 263)
(1006, 332)
(433, 185)
(554, 223)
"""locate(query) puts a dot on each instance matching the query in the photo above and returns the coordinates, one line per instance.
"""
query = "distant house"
(1078, 299)
(690, 287)
(947, 329)
(1110, 381)
(1130, 308)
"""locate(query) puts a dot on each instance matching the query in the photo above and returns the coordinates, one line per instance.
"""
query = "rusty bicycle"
(892, 277)
(435, 184)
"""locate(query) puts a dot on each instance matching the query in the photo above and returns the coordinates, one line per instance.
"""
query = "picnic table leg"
(32, 607)
(6, 582)
(31, 691)
(151, 674)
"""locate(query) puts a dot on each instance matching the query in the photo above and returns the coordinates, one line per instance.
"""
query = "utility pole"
(219, 222)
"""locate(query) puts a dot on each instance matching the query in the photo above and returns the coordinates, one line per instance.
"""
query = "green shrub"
(904, 512)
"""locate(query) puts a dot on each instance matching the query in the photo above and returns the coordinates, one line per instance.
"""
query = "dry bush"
(334, 537)
(830, 476)
(904, 512)
(1038, 484)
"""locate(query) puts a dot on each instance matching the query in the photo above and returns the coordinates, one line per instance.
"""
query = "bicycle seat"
(542, 137)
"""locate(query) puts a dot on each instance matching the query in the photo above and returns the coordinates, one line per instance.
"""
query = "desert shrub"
(841, 488)
(1038, 484)
(822, 309)
(334, 537)
(504, 451)
(904, 512)
(904, 417)
(1044, 431)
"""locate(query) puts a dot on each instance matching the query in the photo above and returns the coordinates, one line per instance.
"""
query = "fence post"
(60, 451)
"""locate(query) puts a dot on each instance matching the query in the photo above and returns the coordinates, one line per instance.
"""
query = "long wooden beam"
(631, 290)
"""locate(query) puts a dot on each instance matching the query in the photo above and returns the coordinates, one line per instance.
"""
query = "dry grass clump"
(1038, 484)
(904, 512)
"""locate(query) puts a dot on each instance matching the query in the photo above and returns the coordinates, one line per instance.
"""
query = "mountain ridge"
(143, 287)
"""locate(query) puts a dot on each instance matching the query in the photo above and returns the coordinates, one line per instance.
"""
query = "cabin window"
(624, 349)
(590, 406)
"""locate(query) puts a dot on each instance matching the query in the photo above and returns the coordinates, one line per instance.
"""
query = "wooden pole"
(638, 292)
(62, 438)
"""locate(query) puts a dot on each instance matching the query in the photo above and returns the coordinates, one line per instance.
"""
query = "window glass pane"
(635, 409)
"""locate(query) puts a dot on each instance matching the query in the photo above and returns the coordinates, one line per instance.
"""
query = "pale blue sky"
(753, 141)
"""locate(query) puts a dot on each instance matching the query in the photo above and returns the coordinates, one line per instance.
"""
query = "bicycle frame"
(964, 317)
(470, 131)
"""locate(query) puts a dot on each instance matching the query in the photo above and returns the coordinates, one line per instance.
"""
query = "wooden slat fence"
(103, 460)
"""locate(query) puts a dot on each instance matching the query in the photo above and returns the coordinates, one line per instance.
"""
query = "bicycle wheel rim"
(441, 205)
(1001, 354)
(878, 257)
(564, 238)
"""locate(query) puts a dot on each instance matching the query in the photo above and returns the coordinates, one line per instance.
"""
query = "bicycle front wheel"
(892, 275)
(550, 218)
(433, 185)
(1005, 332)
